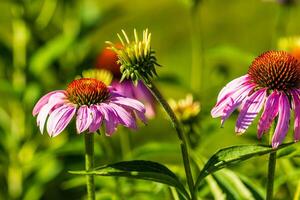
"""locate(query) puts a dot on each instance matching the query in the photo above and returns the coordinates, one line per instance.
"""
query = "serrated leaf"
(232, 155)
(140, 169)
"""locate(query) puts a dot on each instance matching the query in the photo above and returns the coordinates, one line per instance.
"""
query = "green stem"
(89, 164)
(271, 166)
(180, 134)
(271, 174)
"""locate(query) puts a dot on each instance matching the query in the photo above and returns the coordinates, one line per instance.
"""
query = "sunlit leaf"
(139, 169)
(232, 155)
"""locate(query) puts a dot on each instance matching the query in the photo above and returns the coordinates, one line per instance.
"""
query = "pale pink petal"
(232, 86)
(55, 101)
(83, 119)
(228, 104)
(124, 117)
(131, 104)
(250, 109)
(110, 118)
(269, 113)
(96, 119)
(282, 126)
(59, 119)
(43, 101)
(296, 107)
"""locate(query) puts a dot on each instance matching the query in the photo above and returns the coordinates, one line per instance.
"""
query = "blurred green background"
(201, 45)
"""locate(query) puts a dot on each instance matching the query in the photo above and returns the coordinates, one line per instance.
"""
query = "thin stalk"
(271, 175)
(271, 167)
(180, 134)
(89, 164)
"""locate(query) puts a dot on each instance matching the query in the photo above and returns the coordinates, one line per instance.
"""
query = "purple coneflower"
(93, 102)
(272, 82)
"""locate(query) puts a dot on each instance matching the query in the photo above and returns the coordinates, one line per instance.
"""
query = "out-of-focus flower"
(136, 58)
(291, 45)
(186, 110)
(272, 82)
(100, 74)
(93, 103)
(107, 60)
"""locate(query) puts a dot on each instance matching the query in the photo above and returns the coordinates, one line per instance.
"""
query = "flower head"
(272, 83)
(136, 58)
(93, 103)
(107, 60)
(187, 109)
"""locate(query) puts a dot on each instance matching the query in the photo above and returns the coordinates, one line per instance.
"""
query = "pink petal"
(55, 101)
(228, 104)
(83, 119)
(131, 104)
(59, 119)
(110, 118)
(282, 126)
(234, 100)
(250, 109)
(124, 117)
(269, 113)
(96, 119)
(233, 85)
(43, 101)
(296, 106)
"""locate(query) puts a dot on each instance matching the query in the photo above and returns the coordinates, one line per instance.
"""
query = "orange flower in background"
(291, 45)
(107, 60)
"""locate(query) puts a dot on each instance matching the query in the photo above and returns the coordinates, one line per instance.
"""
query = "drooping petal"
(96, 119)
(44, 100)
(250, 109)
(232, 101)
(282, 126)
(228, 104)
(124, 117)
(269, 113)
(131, 104)
(59, 119)
(83, 119)
(296, 107)
(233, 85)
(110, 118)
(55, 101)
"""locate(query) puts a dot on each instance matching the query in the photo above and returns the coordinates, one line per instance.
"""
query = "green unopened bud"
(136, 58)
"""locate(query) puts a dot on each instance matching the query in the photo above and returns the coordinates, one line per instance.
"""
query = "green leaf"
(232, 155)
(140, 169)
